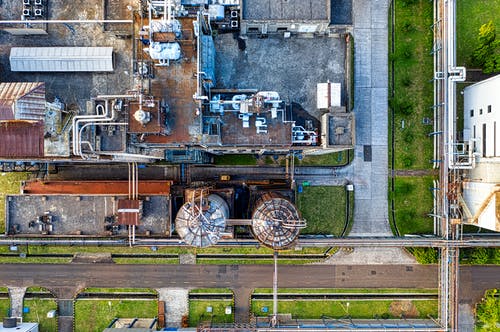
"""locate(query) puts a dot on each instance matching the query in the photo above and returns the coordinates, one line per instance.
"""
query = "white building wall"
(482, 111)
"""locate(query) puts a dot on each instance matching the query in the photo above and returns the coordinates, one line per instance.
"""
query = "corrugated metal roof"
(22, 101)
(61, 59)
(21, 139)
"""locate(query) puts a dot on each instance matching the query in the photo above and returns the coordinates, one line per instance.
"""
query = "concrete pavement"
(370, 107)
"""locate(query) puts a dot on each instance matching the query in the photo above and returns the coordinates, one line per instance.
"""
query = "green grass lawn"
(198, 311)
(38, 309)
(119, 290)
(147, 250)
(412, 202)
(471, 14)
(329, 159)
(235, 159)
(34, 260)
(256, 261)
(356, 309)
(345, 290)
(211, 290)
(413, 69)
(323, 208)
(146, 260)
(9, 184)
(96, 315)
(4, 307)
(159, 250)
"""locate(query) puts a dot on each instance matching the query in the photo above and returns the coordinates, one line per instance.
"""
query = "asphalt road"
(65, 280)
(72, 277)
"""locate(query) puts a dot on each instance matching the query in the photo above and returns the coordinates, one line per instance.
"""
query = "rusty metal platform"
(119, 188)
(176, 84)
(278, 133)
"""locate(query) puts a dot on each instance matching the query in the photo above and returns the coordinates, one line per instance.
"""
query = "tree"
(487, 53)
(488, 312)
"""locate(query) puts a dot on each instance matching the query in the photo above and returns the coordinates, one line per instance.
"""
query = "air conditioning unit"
(39, 2)
(234, 14)
(38, 12)
(339, 131)
(234, 24)
(26, 12)
(26, 2)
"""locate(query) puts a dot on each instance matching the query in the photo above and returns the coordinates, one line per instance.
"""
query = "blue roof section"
(207, 54)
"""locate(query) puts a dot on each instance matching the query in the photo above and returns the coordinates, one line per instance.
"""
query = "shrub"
(480, 256)
(495, 256)
(488, 312)
(425, 255)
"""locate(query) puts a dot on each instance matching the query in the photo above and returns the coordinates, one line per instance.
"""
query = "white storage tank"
(201, 221)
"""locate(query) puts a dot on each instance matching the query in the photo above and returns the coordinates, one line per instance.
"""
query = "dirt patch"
(403, 308)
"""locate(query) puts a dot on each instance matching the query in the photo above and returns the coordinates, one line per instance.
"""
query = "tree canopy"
(487, 53)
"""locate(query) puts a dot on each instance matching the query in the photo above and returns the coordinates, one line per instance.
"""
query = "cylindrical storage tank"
(201, 224)
(272, 221)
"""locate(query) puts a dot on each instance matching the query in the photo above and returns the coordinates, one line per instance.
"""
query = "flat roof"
(83, 215)
(314, 10)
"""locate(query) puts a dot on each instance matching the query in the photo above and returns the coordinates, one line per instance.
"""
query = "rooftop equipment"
(201, 220)
(276, 223)
(164, 51)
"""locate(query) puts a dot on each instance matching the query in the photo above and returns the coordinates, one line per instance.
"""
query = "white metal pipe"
(170, 14)
(92, 118)
(198, 60)
(97, 123)
(76, 122)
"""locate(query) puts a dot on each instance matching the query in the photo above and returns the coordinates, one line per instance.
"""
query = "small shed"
(61, 59)
(129, 212)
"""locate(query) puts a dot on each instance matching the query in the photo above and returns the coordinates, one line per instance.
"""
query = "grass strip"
(356, 309)
(96, 315)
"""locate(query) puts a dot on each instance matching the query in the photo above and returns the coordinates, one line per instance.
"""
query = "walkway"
(370, 108)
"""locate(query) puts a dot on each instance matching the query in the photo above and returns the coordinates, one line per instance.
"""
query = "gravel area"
(176, 304)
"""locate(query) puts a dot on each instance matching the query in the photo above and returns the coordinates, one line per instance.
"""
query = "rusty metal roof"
(151, 187)
(22, 101)
(21, 138)
(129, 211)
